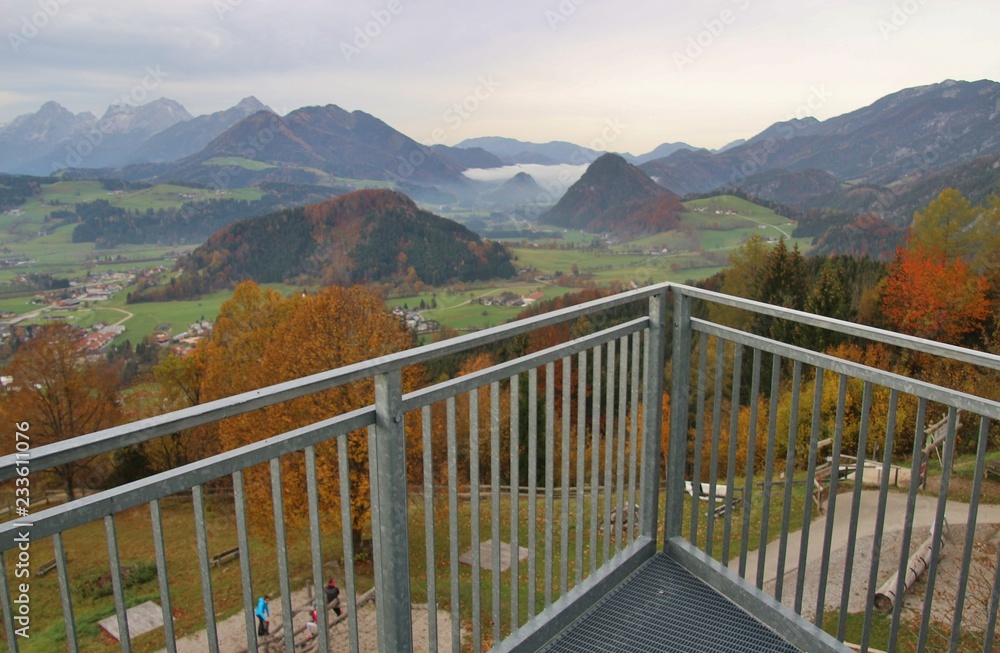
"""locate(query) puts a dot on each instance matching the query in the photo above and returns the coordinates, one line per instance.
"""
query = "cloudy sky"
(632, 73)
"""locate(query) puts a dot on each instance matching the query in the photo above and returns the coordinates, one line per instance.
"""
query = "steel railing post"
(649, 485)
(391, 549)
(679, 394)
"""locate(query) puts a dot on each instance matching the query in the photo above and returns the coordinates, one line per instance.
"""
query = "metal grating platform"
(663, 608)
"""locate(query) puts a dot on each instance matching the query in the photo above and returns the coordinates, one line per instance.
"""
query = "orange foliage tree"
(60, 394)
(261, 340)
(931, 296)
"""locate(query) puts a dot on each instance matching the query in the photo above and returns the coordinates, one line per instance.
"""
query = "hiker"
(263, 613)
(333, 596)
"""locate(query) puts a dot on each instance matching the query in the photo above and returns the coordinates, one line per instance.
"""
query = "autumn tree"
(931, 296)
(740, 279)
(60, 393)
(180, 379)
(264, 340)
(945, 225)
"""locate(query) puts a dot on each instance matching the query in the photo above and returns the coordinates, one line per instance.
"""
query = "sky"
(622, 76)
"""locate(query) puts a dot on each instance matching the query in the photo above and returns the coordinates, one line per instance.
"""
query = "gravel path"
(956, 514)
(233, 637)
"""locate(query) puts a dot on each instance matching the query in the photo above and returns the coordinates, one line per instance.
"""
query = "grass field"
(461, 311)
(63, 194)
(239, 161)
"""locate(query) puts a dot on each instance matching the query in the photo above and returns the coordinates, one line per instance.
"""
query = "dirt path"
(128, 315)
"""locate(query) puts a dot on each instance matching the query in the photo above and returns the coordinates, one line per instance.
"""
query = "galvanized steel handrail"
(914, 343)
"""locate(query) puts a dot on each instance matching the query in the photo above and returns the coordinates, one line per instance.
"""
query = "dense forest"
(106, 225)
(364, 237)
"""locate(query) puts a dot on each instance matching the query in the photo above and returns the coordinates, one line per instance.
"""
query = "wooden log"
(885, 597)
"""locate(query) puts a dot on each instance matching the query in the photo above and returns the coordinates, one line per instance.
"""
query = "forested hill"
(363, 237)
(613, 195)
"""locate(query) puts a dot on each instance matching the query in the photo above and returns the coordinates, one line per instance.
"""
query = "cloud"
(565, 65)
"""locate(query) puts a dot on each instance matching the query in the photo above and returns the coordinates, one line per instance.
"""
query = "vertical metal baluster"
(477, 608)
(124, 637)
(817, 414)
(992, 611)
(243, 541)
(734, 421)
(550, 445)
(859, 470)
(970, 530)
(204, 568)
(713, 464)
(609, 437)
(456, 640)
(911, 503)
(532, 489)
(890, 432)
(772, 428)
(786, 508)
(495, 505)
(515, 500)
(581, 454)
(748, 469)
(8, 610)
(316, 547)
(281, 543)
(949, 451)
(618, 537)
(595, 456)
(633, 441)
(161, 573)
(427, 431)
(567, 403)
(831, 505)
(699, 428)
(66, 596)
(347, 540)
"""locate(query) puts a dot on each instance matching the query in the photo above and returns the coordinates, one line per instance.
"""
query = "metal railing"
(556, 452)
(820, 531)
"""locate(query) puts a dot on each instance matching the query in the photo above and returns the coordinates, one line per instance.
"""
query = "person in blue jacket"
(263, 613)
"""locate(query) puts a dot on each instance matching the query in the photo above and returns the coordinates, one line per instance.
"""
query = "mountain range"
(865, 160)
(162, 130)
